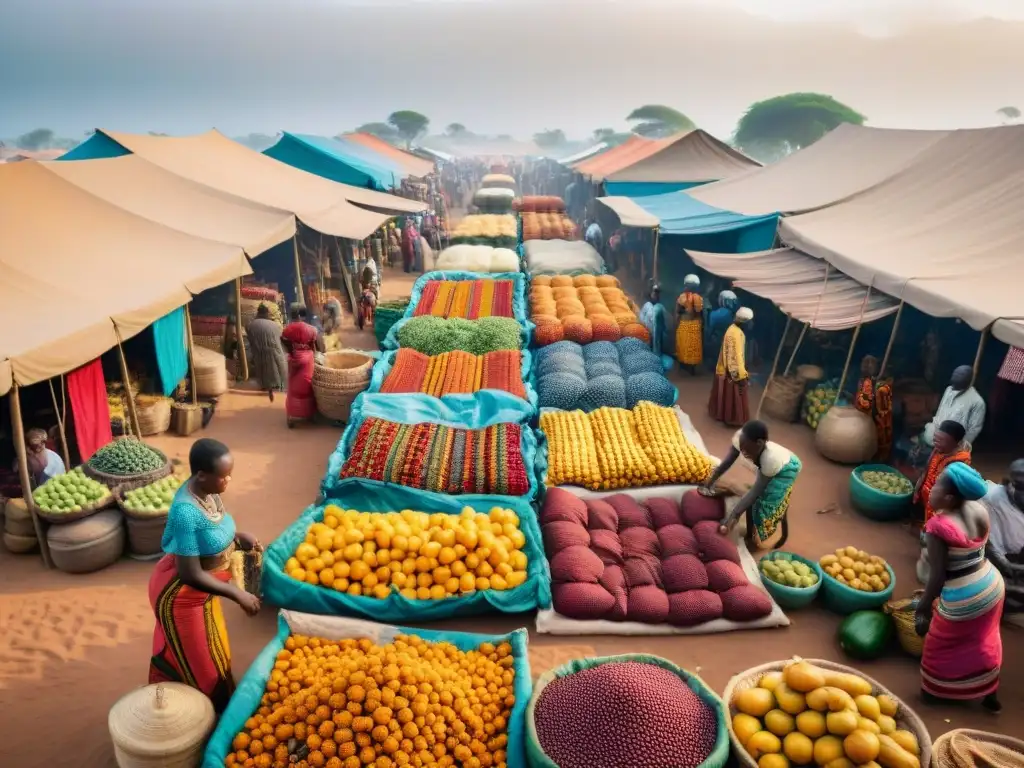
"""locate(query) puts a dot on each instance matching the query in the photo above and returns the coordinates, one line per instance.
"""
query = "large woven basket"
(336, 384)
(211, 373)
(130, 482)
(903, 615)
(211, 343)
(906, 718)
(782, 398)
(154, 414)
(145, 531)
(968, 748)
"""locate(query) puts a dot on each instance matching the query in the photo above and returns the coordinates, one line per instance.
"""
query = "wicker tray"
(69, 517)
(960, 748)
(130, 482)
(906, 718)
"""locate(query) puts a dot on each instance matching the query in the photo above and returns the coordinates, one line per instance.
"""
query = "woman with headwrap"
(408, 245)
(302, 341)
(874, 399)
(950, 447)
(719, 320)
(729, 395)
(958, 614)
(652, 315)
(690, 324)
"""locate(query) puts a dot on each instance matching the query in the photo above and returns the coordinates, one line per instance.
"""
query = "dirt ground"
(71, 645)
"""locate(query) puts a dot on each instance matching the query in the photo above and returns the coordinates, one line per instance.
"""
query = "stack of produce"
(386, 314)
(434, 335)
(477, 258)
(806, 714)
(541, 204)
(617, 448)
(468, 299)
(261, 293)
(637, 711)
(152, 499)
(421, 556)
(857, 569)
(255, 295)
(561, 257)
(602, 373)
(455, 372)
(350, 703)
(497, 181)
(819, 400)
(584, 308)
(547, 226)
(653, 562)
(891, 482)
(433, 457)
(499, 231)
(208, 325)
(126, 457)
(784, 569)
(70, 493)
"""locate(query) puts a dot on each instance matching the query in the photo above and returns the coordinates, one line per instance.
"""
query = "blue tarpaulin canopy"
(338, 159)
(647, 188)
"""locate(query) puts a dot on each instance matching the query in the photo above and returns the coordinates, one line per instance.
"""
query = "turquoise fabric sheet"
(374, 496)
(246, 698)
(520, 309)
(647, 188)
(387, 361)
(171, 350)
(96, 147)
(681, 214)
(487, 408)
(336, 160)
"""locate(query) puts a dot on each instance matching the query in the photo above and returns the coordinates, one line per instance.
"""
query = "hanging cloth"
(88, 394)
(1012, 369)
(171, 351)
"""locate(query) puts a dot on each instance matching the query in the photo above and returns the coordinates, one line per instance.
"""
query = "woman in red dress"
(301, 340)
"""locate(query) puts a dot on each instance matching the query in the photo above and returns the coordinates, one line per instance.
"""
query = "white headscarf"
(744, 314)
(691, 280)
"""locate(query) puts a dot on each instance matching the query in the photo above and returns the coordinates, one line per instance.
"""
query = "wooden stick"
(657, 238)
(796, 348)
(853, 343)
(775, 365)
(814, 317)
(977, 355)
(190, 342)
(243, 359)
(892, 341)
(132, 413)
(299, 298)
(60, 420)
(26, 484)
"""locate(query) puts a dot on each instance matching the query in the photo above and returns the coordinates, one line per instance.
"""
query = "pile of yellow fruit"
(350, 704)
(857, 569)
(806, 715)
(486, 225)
(620, 448)
(423, 556)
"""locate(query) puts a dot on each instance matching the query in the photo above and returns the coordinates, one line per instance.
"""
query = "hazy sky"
(498, 66)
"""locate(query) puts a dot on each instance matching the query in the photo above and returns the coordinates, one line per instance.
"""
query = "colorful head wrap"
(967, 480)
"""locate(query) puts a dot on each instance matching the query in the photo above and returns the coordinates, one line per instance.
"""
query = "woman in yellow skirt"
(690, 328)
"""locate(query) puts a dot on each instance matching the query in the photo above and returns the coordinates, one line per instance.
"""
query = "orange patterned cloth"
(937, 464)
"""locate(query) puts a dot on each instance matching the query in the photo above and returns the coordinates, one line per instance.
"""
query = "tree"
(790, 122)
(1008, 114)
(380, 130)
(37, 139)
(549, 139)
(409, 124)
(658, 121)
(455, 130)
(609, 136)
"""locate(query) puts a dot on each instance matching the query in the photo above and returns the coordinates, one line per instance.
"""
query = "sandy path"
(71, 645)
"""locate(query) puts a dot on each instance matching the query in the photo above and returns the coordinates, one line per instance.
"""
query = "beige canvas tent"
(945, 234)
(846, 161)
(79, 271)
(694, 156)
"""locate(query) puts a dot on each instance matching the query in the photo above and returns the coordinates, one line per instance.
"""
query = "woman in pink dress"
(959, 612)
(300, 339)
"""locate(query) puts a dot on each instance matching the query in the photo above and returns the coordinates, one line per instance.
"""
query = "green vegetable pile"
(887, 482)
(785, 570)
(435, 335)
(154, 498)
(128, 456)
(69, 493)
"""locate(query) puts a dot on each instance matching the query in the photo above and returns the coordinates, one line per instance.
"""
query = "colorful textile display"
(455, 373)
(434, 457)
(469, 299)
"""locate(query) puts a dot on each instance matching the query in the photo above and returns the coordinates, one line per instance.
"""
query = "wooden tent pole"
(60, 413)
(132, 413)
(853, 344)
(796, 348)
(809, 323)
(892, 341)
(190, 342)
(26, 484)
(299, 298)
(657, 240)
(977, 355)
(243, 358)
(775, 366)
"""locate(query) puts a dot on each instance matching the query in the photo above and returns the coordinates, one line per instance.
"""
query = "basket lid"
(161, 719)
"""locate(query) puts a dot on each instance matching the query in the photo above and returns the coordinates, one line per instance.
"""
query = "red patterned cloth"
(1013, 366)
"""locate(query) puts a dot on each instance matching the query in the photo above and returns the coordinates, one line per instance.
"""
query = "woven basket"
(247, 570)
(906, 718)
(968, 748)
(18, 520)
(70, 517)
(87, 545)
(810, 373)
(161, 726)
(186, 418)
(902, 612)
(385, 315)
(782, 398)
(211, 373)
(211, 343)
(130, 482)
(154, 415)
(336, 384)
(145, 531)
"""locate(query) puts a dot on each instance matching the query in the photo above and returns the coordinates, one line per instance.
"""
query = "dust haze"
(496, 66)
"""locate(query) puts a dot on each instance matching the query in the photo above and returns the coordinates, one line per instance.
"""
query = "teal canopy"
(96, 147)
(647, 188)
(337, 159)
